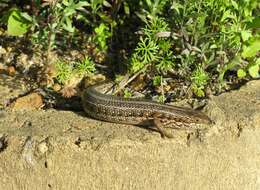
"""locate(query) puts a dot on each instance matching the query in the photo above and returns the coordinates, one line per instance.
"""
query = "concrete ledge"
(65, 150)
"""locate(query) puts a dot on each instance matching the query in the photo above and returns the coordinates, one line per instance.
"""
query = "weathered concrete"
(65, 150)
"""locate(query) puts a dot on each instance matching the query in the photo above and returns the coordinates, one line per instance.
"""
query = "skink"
(137, 111)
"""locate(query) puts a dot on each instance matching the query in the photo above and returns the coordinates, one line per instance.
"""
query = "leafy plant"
(251, 61)
(147, 50)
(18, 22)
(199, 80)
(48, 19)
(102, 34)
(151, 49)
(127, 94)
(151, 9)
(60, 18)
(65, 70)
(157, 80)
(161, 98)
(84, 67)
(200, 42)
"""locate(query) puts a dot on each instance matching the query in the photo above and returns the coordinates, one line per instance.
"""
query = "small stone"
(11, 71)
(2, 50)
(30, 101)
(56, 87)
(43, 147)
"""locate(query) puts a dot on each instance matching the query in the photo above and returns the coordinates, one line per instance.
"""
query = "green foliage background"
(203, 42)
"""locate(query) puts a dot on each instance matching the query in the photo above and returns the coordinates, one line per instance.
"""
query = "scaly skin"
(139, 111)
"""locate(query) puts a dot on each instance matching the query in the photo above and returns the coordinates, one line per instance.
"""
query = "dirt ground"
(55, 149)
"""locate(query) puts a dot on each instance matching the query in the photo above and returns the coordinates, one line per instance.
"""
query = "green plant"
(151, 9)
(60, 18)
(215, 34)
(198, 42)
(127, 94)
(18, 22)
(161, 98)
(159, 82)
(49, 19)
(152, 49)
(64, 71)
(251, 62)
(167, 59)
(96, 12)
(199, 80)
(76, 69)
(84, 67)
(147, 50)
(102, 34)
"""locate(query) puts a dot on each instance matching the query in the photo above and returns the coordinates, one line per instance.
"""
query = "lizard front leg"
(157, 123)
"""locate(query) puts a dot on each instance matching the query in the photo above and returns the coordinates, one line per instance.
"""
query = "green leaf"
(246, 34)
(252, 49)
(157, 80)
(67, 25)
(255, 23)
(16, 24)
(86, 66)
(126, 8)
(200, 93)
(100, 29)
(65, 2)
(161, 98)
(213, 46)
(81, 4)
(197, 91)
(241, 73)
(258, 61)
(107, 4)
(127, 94)
(27, 17)
(254, 71)
(69, 11)
(228, 15)
(234, 4)
(177, 6)
(230, 65)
